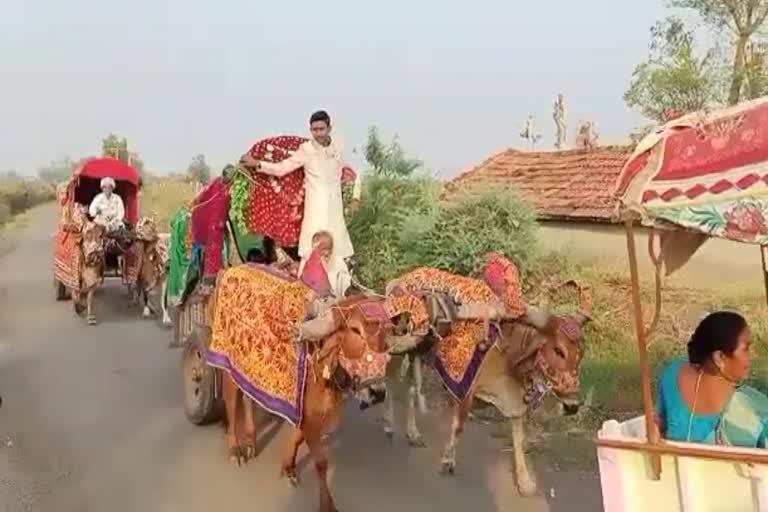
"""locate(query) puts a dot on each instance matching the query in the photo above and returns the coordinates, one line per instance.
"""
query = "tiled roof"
(571, 185)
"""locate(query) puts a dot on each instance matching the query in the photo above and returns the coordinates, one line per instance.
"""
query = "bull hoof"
(390, 435)
(237, 457)
(92, 320)
(448, 467)
(146, 313)
(526, 486)
(416, 442)
(249, 451)
(290, 475)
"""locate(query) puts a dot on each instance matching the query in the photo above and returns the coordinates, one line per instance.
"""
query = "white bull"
(533, 355)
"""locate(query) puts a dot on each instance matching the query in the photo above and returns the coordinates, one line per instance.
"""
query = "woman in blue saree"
(702, 398)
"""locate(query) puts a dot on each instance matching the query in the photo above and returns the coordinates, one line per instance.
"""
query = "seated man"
(107, 208)
(322, 270)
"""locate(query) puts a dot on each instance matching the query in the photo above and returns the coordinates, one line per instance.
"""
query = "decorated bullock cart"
(78, 193)
(241, 216)
(85, 253)
(700, 176)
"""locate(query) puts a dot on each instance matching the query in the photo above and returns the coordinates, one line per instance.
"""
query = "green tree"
(742, 20)
(756, 72)
(673, 79)
(115, 147)
(388, 159)
(199, 170)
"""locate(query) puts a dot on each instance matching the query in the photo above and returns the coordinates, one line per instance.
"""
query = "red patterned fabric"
(276, 208)
(277, 204)
(503, 278)
(700, 155)
(209, 217)
(315, 276)
(66, 259)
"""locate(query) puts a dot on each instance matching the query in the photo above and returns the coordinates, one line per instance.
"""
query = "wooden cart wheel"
(61, 291)
(200, 403)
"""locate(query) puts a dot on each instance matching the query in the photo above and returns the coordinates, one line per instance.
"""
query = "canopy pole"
(645, 371)
(763, 248)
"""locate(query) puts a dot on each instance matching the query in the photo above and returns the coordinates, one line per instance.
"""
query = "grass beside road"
(18, 195)
(161, 197)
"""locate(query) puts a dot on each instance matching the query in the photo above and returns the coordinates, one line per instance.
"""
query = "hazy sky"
(455, 79)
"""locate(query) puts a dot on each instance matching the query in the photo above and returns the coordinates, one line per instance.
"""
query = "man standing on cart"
(322, 160)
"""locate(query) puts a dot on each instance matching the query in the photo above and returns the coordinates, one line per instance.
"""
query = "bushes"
(18, 194)
(455, 235)
(376, 227)
(402, 224)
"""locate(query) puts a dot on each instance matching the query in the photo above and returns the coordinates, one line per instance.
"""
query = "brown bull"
(535, 354)
(151, 251)
(341, 340)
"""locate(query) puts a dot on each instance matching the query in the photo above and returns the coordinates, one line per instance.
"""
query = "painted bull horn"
(318, 328)
(397, 345)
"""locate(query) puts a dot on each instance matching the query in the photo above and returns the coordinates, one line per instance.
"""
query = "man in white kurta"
(107, 208)
(322, 160)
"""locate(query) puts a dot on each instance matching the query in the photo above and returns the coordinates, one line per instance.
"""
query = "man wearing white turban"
(107, 207)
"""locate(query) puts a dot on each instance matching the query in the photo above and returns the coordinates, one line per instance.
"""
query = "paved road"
(92, 421)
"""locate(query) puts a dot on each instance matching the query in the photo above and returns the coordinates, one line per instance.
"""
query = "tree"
(674, 78)
(199, 170)
(742, 19)
(115, 147)
(755, 72)
(388, 160)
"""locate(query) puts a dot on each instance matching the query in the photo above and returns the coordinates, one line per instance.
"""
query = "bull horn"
(581, 317)
(319, 307)
(391, 286)
(398, 345)
(318, 328)
(536, 317)
(585, 301)
(585, 297)
(479, 311)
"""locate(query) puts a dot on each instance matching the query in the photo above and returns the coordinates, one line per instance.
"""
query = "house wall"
(718, 263)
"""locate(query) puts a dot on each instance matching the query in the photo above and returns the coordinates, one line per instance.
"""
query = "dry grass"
(161, 197)
(18, 195)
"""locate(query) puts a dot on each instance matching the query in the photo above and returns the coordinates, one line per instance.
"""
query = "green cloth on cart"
(178, 259)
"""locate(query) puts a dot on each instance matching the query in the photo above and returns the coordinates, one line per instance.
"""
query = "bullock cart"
(700, 176)
(240, 216)
(78, 192)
